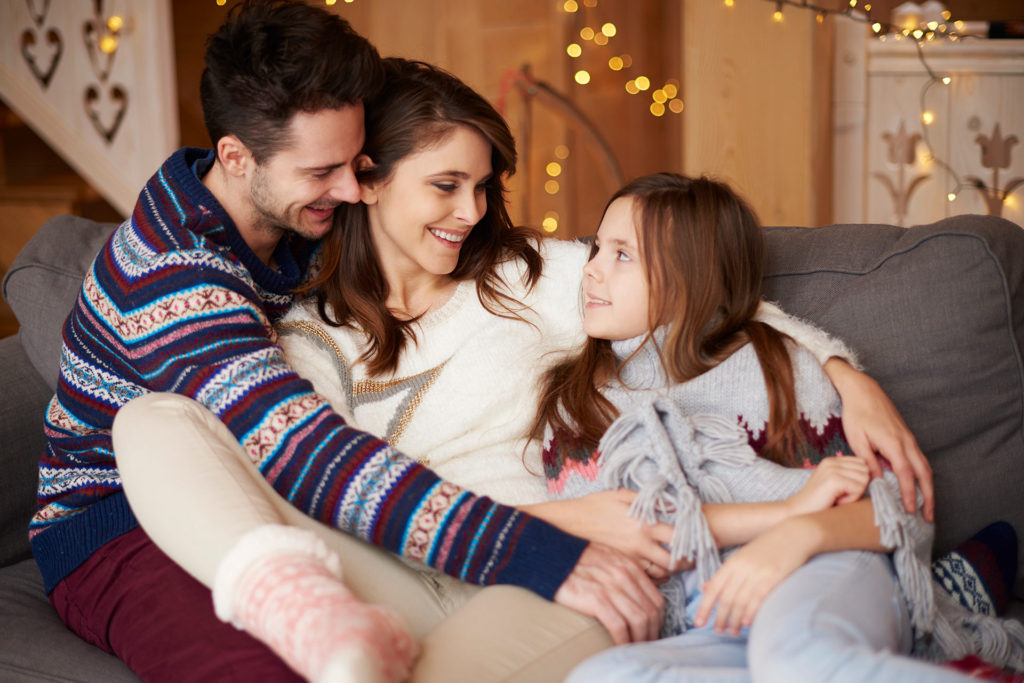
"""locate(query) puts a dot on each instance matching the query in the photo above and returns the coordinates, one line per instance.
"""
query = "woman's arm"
(744, 580)
(873, 425)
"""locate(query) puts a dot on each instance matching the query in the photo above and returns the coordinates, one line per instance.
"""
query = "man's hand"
(612, 588)
(873, 425)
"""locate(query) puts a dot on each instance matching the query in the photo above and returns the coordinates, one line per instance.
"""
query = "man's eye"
(321, 175)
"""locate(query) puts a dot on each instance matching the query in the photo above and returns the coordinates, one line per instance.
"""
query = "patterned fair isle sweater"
(176, 302)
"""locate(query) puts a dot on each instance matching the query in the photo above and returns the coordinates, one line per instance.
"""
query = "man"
(182, 300)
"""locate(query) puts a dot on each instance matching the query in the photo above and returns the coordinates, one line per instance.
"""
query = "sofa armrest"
(44, 280)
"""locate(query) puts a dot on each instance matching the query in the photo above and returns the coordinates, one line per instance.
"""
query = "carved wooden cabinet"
(922, 136)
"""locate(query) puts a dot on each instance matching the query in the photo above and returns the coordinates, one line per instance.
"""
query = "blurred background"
(818, 111)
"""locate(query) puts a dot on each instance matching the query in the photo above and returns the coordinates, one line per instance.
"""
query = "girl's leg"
(697, 656)
(840, 617)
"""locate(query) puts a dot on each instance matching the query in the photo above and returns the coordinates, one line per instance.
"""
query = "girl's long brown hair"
(703, 252)
(419, 106)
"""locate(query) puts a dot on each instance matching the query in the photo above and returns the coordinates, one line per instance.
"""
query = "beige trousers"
(195, 493)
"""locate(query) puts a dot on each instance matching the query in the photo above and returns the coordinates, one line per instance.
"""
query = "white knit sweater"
(464, 395)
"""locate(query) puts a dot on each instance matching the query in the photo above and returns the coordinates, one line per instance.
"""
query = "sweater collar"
(204, 215)
(644, 369)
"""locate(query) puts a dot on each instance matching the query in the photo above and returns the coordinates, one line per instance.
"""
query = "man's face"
(297, 189)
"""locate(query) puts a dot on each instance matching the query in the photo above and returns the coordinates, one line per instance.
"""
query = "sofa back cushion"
(936, 314)
(43, 283)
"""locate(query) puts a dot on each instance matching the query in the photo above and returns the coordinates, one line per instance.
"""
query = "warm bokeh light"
(115, 23)
(671, 89)
(777, 15)
(615, 63)
(657, 108)
(554, 169)
(928, 118)
(587, 33)
(108, 44)
(570, 6)
(600, 39)
(951, 197)
(946, 80)
(551, 187)
(608, 29)
(676, 106)
(659, 95)
(562, 152)
(574, 50)
(631, 87)
(643, 83)
(582, 77)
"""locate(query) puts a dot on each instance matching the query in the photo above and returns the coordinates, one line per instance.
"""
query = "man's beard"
(266, 219)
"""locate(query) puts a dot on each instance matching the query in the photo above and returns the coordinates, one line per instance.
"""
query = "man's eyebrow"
(325, 167)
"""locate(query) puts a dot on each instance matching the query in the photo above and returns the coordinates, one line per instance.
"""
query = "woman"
(396, 269)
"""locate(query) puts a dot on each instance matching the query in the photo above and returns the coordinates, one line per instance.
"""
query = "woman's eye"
(446, 187)
(622, 256)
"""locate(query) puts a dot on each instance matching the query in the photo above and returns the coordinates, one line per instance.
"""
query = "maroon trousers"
(131, 600)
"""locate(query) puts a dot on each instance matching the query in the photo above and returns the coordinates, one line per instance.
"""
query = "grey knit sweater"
(681, 445)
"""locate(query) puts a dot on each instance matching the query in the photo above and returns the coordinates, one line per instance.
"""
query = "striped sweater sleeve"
(203, 333)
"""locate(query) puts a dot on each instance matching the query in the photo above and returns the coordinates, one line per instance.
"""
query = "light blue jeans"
(840, 617)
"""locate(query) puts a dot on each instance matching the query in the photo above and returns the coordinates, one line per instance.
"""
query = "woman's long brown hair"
(419, 105)
(703, 252)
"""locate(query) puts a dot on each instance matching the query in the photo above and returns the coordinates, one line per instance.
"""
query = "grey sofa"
(936, 313)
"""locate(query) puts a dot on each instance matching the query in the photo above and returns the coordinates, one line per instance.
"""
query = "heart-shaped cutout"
(38, 10)
(111, 109)
(37, 54)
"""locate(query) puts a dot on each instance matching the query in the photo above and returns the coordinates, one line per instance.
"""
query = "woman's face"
(615, 290)
(422, 214)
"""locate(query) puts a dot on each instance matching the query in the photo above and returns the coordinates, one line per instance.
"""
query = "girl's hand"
(835, 481)
(873, 425)
(747, 577)
(604, 518)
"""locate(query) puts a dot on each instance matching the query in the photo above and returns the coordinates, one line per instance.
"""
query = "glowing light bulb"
(574, 50)
(582, 77)
(554, 169)
(777, 16)
(932, 25)
(570, 6)
(549, 224)
(853, 3)
(928, 118)
(221, 3)
(330, 3)
(615, 63)
(821, 17)
(608, 29)
(951, 197)
(730, 3)
(643, 83)
(108, 44)
(876, 27)
(946, 80)
(115, 23)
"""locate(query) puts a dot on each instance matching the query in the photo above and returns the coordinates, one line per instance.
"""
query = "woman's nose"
(471, 208)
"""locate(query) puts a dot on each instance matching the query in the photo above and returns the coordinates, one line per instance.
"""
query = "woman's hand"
(604, 518)
(835, 481)
(748, 575)
(873, 425)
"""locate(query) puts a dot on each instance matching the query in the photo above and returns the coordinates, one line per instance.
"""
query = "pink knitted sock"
(282, 585)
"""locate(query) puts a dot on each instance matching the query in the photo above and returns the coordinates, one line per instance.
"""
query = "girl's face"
(420, 216)
(615, 290)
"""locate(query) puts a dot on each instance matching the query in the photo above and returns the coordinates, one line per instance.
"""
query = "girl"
(676, 393)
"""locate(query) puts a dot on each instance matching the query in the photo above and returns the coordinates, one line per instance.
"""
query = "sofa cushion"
(936, 314)
(44, 280)
(36, 644)
(21, 443)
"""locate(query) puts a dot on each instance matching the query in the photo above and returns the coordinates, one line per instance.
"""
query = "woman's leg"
(196, 494)
(840, 617)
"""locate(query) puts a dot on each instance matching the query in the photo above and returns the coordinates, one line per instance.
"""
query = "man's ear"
(234, 156)
(368, 188)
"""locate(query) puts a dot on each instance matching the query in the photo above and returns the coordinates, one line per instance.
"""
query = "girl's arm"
(744, 580)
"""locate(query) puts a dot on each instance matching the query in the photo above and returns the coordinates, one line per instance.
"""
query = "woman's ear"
(234, 156)
(368, 188)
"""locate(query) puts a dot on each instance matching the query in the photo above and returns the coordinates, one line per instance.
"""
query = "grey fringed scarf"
(677, 458)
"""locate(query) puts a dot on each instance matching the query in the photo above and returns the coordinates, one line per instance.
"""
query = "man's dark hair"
(272, 59)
